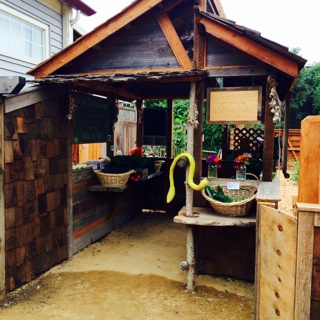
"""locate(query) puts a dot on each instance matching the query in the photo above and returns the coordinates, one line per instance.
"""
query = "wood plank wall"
(35, 189)
(95, 214)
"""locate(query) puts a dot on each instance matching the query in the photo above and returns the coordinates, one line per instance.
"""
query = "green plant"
(295, 173)
(180, 114)
(212, 132)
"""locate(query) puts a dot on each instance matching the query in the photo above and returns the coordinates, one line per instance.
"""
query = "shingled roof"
(155, 36)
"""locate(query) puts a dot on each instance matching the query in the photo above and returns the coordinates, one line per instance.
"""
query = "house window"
(22, 37)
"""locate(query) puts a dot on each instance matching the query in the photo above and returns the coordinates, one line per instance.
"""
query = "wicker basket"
(234, 209)
(113, 180)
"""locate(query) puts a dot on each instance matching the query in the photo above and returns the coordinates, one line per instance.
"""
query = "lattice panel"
(246, 139)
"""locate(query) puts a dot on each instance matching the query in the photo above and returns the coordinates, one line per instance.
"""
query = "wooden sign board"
(234, 105)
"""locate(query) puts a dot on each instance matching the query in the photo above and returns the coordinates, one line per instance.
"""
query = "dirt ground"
(133, 273)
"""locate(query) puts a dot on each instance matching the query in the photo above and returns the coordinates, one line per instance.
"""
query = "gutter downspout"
(75, 19)
(67, 29)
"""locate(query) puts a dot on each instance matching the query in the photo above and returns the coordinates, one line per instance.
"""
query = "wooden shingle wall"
(35, 189)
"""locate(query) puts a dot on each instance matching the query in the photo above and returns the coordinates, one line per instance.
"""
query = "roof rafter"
(239, 41)
(174, 41)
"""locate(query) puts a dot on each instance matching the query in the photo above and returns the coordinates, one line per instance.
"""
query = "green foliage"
(212, 133)
(180, 115)
(295, 173)
(155, 103)
(305, 95)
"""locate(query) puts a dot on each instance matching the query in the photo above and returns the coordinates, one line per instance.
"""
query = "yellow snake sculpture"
(198, 187)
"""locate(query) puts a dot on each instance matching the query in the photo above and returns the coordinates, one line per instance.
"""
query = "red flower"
(213, 160)
(241, 161)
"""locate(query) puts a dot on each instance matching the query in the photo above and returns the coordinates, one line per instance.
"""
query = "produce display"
(219, 195)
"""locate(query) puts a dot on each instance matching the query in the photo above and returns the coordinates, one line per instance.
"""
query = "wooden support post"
(199, 39)
(308, 257)
(286, 137)
(308, 260)
(309, 169)
(139, 122)
(199, 63)
(197, 148)
(2, 207)
(69, 190)
(169, 129)
(190, 259)
(192, 124)
(268, 146)
(305, 237)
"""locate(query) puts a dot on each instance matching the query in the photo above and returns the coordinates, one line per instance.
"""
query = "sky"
(292, 23)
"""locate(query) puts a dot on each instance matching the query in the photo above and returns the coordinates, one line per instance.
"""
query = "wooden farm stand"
(153, 49)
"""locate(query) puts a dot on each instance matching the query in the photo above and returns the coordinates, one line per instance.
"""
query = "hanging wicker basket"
(234, 209)
(113, 180)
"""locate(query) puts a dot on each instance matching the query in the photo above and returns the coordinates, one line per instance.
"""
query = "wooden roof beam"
(174, 41)
(104, 90)
(258, 51)
(92, 38)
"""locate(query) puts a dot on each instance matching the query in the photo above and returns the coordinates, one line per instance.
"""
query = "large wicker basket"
(234, 209)
(113, 180)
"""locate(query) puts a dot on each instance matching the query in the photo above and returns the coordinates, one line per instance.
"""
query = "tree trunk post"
(192, 124)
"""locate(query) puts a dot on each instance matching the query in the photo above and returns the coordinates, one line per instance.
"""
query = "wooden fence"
(124, 138)
(288, 254)
(294, 139)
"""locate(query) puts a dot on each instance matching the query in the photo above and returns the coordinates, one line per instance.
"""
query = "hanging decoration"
(274, 103)
(72, 106)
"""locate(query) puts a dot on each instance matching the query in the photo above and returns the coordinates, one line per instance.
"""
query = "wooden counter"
(204, 216)
(268, 192)
(228, 250)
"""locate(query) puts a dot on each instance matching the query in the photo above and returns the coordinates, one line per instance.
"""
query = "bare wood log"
(197, 147)
(190, 259)
(192, 123)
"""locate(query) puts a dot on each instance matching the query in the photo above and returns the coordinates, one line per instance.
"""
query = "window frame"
(29, 20)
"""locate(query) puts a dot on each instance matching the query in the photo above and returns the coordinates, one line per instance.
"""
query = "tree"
(305, 98)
